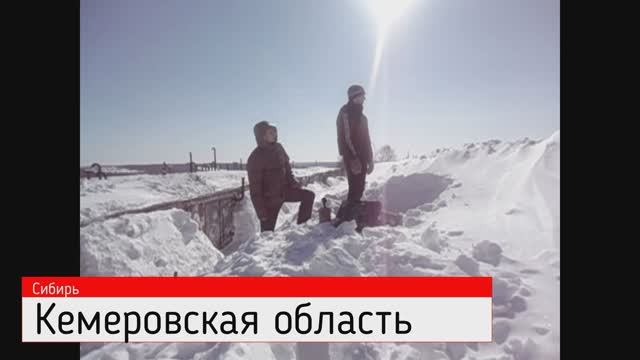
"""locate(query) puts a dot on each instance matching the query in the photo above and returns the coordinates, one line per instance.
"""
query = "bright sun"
(387, 11)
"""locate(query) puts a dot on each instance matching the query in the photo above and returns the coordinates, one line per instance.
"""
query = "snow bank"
(309, 170)
(119, 170)
(504, 192)
(158, 243)
(102, 197)
(99, 198)
(489, 209)
(401, 193)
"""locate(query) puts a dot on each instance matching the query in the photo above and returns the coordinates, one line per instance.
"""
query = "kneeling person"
(271, 181)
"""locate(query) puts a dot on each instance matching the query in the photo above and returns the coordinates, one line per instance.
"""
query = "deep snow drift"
(154, 244)
(488, 208)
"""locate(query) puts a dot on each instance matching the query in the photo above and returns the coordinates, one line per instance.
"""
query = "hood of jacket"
(260, 129)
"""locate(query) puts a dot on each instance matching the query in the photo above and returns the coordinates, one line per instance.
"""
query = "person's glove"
(356, 166)
(370, 167)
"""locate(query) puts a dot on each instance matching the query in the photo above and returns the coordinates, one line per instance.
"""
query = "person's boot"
(345, 213)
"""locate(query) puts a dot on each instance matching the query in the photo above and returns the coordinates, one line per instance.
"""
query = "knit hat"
(354, 91)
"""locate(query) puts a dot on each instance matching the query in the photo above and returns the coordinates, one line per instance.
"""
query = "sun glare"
(387, 11)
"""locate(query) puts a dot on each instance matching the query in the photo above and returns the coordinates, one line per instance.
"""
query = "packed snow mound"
(489, 209)
(158, 243)
(488, 252)
(401, 193)
(505, 192)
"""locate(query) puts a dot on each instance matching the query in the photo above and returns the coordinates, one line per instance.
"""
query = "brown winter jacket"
(269, 172)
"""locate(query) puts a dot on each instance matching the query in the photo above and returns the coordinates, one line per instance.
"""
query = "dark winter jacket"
(353, 133)
(269, 172)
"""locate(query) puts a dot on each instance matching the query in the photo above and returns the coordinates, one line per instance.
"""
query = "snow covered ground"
(154, 244)
(101, 197)
(488, 208)
(119, 170)
(310, 170)
(112, 170)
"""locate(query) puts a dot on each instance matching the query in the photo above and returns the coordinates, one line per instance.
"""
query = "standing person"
(354, 143)
(271, 182)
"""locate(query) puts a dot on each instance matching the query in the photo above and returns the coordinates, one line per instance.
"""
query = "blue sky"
(162, 78)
